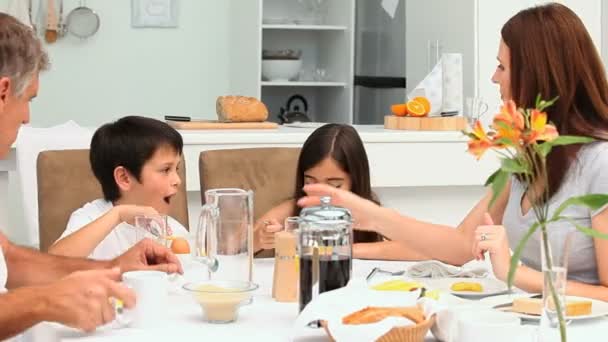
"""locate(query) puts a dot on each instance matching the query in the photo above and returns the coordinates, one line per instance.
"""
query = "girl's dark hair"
(343, 144)
(552, 54)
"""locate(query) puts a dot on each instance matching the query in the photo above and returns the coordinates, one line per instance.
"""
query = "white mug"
(484, 325)
(151, 298)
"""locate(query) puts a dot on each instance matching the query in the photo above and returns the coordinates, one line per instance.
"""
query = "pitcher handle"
(206, 238)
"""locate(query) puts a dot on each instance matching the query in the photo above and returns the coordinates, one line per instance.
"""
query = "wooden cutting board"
(450, 123)
(211, 124)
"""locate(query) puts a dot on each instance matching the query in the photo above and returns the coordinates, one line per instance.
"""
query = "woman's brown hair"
(343, 144)
(553, 55)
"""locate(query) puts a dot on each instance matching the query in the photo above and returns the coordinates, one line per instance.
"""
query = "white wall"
(493, 14)
(122, 70)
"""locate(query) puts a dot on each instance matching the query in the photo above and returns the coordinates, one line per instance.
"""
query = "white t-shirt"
(120, 239)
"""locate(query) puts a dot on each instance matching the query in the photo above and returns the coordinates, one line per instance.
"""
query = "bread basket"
(411, 333)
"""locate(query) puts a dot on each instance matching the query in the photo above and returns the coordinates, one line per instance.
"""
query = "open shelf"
(302, 84)
(304, 27)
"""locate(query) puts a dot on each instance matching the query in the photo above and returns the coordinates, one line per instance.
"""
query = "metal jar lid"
(325, 214)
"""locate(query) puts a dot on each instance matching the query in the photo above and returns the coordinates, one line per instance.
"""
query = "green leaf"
(561, 140)
(490, 179)
(505, 141)
(513, 166)
(498, 184)
(537, 101)
(517, 253)
(591, 201)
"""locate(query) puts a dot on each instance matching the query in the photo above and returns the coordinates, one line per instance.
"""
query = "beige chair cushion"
(66, 182)
(269, 172)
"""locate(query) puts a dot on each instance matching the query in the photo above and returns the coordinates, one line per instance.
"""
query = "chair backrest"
(269, 172)
(66, 182)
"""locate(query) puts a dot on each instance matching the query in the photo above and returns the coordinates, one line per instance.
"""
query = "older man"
(41, 287)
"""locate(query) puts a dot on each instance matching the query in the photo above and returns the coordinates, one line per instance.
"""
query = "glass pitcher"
(225, 233)
(325, 249)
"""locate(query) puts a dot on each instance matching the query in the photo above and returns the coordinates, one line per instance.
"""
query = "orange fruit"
(399, 109)
(180, 246)
(415, 108)
(425, 102)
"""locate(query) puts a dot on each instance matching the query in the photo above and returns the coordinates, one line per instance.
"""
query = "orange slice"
(415, 108)
(399, 109)
(425, 102)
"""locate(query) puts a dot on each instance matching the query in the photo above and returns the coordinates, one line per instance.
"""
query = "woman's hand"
(493, 239)
(362, 210)
(264, 234)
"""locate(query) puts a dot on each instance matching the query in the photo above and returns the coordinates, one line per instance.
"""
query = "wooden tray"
(451, 123)
(211, 124)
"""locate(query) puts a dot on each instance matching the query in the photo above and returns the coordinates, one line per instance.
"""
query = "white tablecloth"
(265, 320)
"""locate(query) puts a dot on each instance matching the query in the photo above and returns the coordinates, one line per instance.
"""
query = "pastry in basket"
(373, 314)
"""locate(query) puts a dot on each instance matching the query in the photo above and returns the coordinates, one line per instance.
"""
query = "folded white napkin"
(437, 269)
(333, 305)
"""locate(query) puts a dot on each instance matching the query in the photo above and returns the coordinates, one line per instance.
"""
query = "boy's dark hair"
(129, 142)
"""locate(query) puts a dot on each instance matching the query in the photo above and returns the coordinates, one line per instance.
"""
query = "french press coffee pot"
(325, 249)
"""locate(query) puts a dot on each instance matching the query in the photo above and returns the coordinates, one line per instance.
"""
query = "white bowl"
(281, 69)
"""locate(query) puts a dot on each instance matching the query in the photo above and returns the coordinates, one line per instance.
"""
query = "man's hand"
(82, 299)
(148, 255)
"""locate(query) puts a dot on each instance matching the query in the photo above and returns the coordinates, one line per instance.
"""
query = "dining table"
(263, 320)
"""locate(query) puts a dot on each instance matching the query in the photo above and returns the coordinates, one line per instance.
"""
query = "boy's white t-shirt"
(120, 239)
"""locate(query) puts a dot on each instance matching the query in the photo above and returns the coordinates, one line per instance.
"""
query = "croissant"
(376, 314)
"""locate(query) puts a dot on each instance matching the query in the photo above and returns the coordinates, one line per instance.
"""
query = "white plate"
(598, 307)
(305, 124)
(491, 286)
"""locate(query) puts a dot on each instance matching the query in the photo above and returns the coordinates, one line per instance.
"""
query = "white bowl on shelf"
(281, 70)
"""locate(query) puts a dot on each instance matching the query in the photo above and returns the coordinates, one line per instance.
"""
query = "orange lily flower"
(478, 147)
(481, 141)
(510, 116)
(539, 129)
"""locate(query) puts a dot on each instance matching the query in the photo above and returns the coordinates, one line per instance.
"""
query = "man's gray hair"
(21, 53)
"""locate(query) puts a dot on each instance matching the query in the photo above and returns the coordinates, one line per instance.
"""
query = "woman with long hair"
(544, 50)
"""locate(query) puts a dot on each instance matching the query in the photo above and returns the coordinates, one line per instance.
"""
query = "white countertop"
(291, 135)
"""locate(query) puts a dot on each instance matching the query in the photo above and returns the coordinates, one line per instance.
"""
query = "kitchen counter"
(413, 172)
(397, 158)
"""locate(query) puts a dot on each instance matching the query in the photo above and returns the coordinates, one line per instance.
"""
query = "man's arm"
(40, 268)
(26, 306)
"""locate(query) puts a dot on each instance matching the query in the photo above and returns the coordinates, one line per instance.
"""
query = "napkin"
(443, 85)
(437, 269)
(333, 305)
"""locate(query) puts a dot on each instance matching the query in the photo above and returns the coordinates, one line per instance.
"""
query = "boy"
(136, 160)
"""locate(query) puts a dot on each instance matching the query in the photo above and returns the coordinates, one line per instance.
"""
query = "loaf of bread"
(533, 306)
(240, 109)
(376, 314)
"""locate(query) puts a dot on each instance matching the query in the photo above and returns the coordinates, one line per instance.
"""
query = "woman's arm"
(386, 250)
(83, 241)
(441, 242)
(531, 280)
(270, 223)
